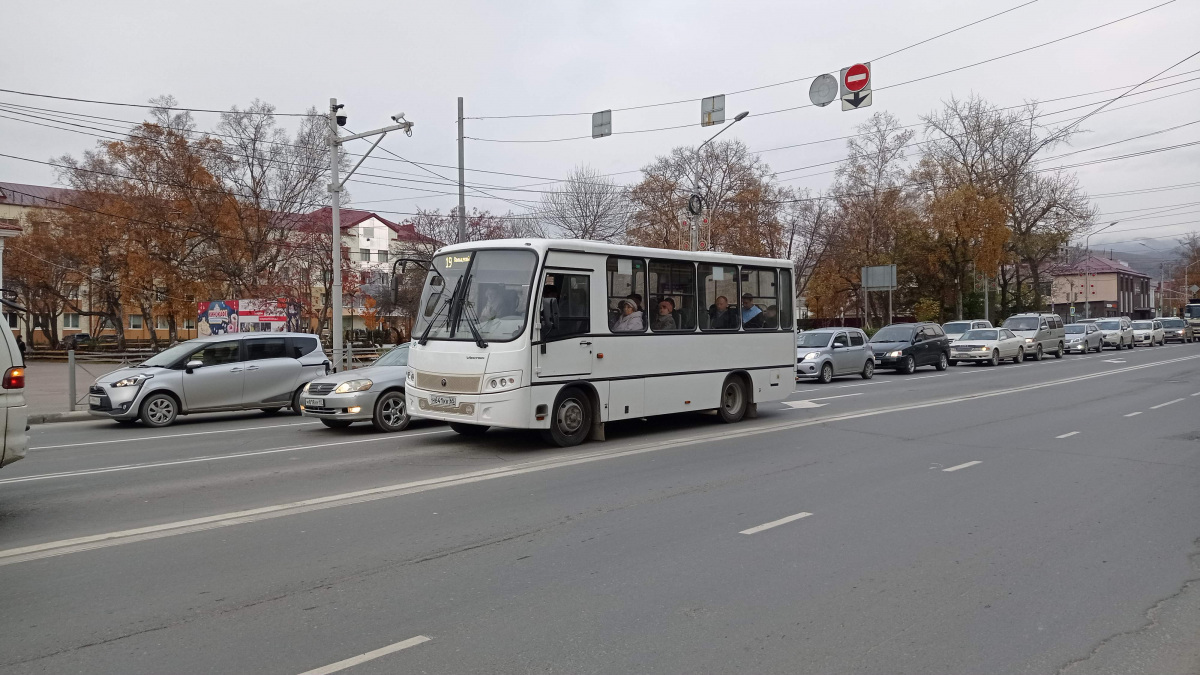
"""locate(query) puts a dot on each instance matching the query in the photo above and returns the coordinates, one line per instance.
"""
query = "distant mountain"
(1139, 258)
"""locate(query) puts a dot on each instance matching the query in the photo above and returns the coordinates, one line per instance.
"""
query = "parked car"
(908, 346)
(1177, 329)
(1084, 337)
(828, 352)
(78, 341)
(1148, 333)
(1043, 334)
(211, 374)
(1117, 331)
(14, 419)
(988, 345)
(374, 394)
(955, 329)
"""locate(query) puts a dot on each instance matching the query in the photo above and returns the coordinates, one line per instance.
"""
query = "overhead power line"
(142, 105)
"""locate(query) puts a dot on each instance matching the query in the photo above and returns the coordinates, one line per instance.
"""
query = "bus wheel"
(469, 429)
(571, 419)
(733, 400)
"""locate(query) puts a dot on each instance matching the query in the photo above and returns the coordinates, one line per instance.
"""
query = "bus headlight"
(501, 382)
(410, 376)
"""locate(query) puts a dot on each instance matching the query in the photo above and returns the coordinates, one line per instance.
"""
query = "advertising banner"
(247, 316)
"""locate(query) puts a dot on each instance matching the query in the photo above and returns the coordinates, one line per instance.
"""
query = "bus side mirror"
(549, 315)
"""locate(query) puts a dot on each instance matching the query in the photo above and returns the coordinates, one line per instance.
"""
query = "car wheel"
(159, 410)
(296, 400)
(1037, 353)
(1130, 345)
(826, 375)
(733, 400)
(390, 414)
(868, 370)
(570, 418)
(943, 362)
(1020, 355)
(271, 411)
(336, 424)
(995, 360)
(909, 365)
(465, 429)
(1059, 353)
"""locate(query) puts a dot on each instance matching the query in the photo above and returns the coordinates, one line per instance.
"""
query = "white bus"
(566, 335)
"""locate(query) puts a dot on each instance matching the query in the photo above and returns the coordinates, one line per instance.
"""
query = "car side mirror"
(549, 315)
(838, 345)
(192, 365)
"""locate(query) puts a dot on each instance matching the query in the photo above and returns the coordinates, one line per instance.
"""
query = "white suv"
(1117, 331)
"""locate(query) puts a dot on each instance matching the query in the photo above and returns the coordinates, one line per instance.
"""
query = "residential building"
(1099, 287)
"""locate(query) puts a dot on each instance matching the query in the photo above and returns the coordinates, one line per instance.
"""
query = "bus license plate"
(442, 400)
(314, 403)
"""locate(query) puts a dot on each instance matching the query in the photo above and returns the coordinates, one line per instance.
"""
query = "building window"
(12, 320)
(135, 321)
(189, 324)
(70, 321)
(383, 256)
(364, 254)
(160, 323)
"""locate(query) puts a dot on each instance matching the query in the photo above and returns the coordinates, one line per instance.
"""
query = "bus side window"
(760, 311)
(626, 294)
(574, 303)
(719, 297)
(672, 302)
(785, 300)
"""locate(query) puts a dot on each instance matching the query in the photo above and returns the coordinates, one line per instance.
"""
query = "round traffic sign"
(857, 77)
(823, 90)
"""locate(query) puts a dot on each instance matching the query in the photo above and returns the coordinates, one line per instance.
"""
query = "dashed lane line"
(1068, 434)
(1163, 405)
(1134, 414)
(143, 439)
(962, 466)
(369, 656)
(775, 523)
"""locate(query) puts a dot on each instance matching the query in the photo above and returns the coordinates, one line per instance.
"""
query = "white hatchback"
(1149, 333)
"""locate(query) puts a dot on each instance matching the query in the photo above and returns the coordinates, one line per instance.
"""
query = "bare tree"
(587, 205)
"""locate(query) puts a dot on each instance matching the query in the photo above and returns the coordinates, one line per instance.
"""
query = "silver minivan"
(827, 352)
(264, 371)
(1043, 334)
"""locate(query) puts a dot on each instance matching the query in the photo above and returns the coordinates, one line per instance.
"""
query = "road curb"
(52, 418)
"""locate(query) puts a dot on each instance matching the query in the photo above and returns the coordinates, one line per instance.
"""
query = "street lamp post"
(1087, 265)
(695, 188)
(337, 118)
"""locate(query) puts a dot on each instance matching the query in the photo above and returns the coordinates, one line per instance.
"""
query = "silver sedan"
(373, 394)
(1084, 337)
(988, 345)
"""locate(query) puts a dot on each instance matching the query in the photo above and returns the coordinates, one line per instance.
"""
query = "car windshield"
(1143, 325)
(1173, 323)
(894, 334)
(957, 327)
(1108, 325)
(979, 334)
(169, 357)
(395, 357)
(1076, 328)
(1022, 323)
(813, 339)
(496, 295)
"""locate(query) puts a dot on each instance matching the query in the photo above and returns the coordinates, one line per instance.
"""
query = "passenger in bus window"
(637, 301)
(492, 305)
(771, 317)
(665, 319)
(751, 313)
(722, 316)
(629, 320)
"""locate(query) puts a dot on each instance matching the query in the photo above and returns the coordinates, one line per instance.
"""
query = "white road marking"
(926, 377)
(962, 466)
(1163, 405)
(1114, 360)
(208, 458)
(811, 402)
(369, 656)
(775, 523)
(1068, 434)
(1134, 414)
(1196, 394)
(138, 439)
(103, 540)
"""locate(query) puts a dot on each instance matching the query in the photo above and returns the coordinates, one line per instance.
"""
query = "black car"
(907, 346)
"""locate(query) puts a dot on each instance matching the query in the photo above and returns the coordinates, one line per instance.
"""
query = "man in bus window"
(665, 319)
(771, 317)
(751, 313)
(722, 316)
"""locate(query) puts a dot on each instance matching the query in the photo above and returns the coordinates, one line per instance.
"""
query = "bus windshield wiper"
(432, 320)
(467, 313)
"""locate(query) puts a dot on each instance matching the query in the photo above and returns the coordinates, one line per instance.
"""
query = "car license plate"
(443, 400)
(93, 400)
(314, 403)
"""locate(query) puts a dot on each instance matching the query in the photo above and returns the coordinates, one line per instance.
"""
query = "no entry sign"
(856, 77)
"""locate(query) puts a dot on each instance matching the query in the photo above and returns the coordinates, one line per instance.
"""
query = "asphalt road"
(1038, 518)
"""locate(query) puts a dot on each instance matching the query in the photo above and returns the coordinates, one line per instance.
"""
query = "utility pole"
(986, 281)
(462, 190)
(337, 119)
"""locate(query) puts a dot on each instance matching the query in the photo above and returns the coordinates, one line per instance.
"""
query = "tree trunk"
(172, 329)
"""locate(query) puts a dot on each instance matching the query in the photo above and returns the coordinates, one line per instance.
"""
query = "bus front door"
(567, 350)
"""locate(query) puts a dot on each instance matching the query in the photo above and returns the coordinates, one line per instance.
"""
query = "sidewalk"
(46, 386)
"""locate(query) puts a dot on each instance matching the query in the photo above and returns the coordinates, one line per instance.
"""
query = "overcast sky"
(514, 57)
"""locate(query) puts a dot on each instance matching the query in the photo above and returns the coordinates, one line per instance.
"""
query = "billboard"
(217, 317)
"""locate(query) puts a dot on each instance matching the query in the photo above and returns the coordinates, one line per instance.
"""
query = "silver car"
(211, 374)
(827, 352)
(373, 394)
(989, 346)
(1117, 332)
(1149, 332)
(1084, 337)
(955, 329)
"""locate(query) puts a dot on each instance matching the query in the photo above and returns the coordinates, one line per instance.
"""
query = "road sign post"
(856, 86)
(712, 110)
(880, 278)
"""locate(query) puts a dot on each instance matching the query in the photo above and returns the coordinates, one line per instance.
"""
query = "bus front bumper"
(511, 409)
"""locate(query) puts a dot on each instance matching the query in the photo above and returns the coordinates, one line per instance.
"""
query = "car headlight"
(132, 381)
(810, 356)
(306, 385)
(350, 386)
(982, 349)
(502, 382)
(1028, 341)
(896, 353)
(410, 377)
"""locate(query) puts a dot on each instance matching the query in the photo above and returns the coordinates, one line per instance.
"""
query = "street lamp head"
(741, 116)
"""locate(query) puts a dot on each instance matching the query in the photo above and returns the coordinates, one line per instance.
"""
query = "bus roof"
(601, 248)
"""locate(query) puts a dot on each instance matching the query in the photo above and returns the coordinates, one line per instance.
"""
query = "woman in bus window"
(665, 319)
(629, 320)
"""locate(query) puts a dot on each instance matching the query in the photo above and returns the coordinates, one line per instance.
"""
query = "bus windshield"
(1191, 312)
(496, 293)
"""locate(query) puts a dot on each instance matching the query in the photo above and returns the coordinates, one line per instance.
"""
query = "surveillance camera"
(398, 118)
(340, 115)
